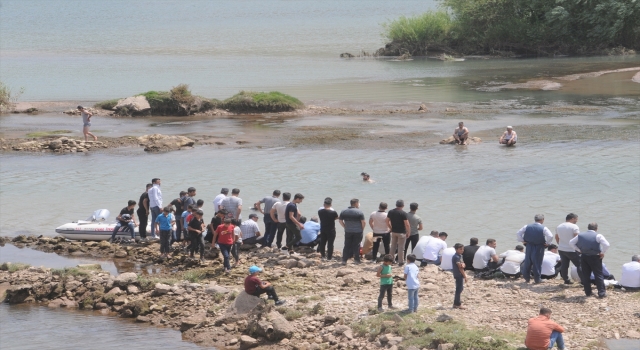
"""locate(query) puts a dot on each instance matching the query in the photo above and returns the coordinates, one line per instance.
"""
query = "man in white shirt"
(445, 262)
(277, 213)
(219, 198)
(250, 230)
(378, 223)
(155, 204)
(431, 252)
(564, 233)
(422, 243)
(535, 238)
(592, 245)
(550, 263)
(512, 261)
(486, 257)
(630, 279)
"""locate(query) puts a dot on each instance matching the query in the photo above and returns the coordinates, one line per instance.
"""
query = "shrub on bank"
(259, 102)
(107, 104)
(505, 27)
(8, 97)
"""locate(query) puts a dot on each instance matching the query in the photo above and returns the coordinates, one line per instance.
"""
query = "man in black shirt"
(216, 221)
(328, 218)
(469, 253)
(293, 225)
(398, 222)
(179, 210)
(143, 212)
(125, 218)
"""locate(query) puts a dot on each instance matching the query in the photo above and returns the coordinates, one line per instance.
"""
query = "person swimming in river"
(509, 137)
(461, 134)
(366, 178)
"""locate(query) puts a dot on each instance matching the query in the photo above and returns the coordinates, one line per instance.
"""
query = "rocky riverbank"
(328, 305)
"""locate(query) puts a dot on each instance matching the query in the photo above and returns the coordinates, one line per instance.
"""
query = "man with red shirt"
(542, 333)
(254, 286)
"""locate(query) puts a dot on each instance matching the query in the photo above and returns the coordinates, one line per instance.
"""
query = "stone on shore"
(216, 289)
(247, 342)
(161, 289)
(132, 105)
(190, 322)
(160, 143)
(123, 280)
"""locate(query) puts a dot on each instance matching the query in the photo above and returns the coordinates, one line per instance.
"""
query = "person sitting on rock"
(630, 279)
(310, 232)
(509, 137)
(254, 286)
(250, 230)
(461, 134)
(512, 261)
(542, 333)
(486, 258)
(550, 263)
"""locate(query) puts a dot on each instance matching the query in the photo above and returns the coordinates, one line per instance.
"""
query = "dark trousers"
(326, 240)
(310, 244)
(351, 246)
(459, 289)
(178, 231)
(269, 291)
(155, 211)
(197, 243)
(165, 241)
(592, 264)
(566, 258)
(270, 229)
(293, 235)
(386, 240)
(144, 220)
(413, 239)
(533, 262)
(130, 225)
(225, 249)
(235, 251)
(385, 289)
(281, 227)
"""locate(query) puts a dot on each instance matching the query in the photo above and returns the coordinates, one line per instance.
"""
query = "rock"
(216, 289)
(291, 263)
(329, 319)
(246, 342)
(55, 144)
(55, 303)
(125, 279)
(446, 346)
(161, 289)
(430, 287)
(120, 254)
(270, 324)
(346, 55)
(18, 294)
(104, 244)
(528, 302)
(191, 322)
(159, 142)
(344, 272)
(470, 141)
(132, 105)
(397, 318)
(244, 304)
(444, 318)
(304, 263)
(133, 289)
(115, 290)
(422, 107)
(632, 334)
(349, 334)
(143, 319)
(121, 300)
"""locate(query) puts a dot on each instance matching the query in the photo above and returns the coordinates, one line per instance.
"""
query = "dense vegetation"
(530, 27)
(180, 101)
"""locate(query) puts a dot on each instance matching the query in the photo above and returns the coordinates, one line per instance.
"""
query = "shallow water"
(10, 253)
(28, 327)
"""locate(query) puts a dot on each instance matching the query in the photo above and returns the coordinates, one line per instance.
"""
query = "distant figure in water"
(509, 137)
(86, 123)
(366, 178)
(461, 134)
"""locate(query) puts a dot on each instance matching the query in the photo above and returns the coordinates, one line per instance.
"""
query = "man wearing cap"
(219, 198)
(398, 224)
(509, 137)
(270, 225)
(86, 123)
(250, 230)
(254, 286)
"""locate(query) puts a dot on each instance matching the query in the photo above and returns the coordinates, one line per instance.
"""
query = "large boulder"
(243, 305)
(132, 105)
(159, 142)
(268, 323)
(126, 279)
(19, 294)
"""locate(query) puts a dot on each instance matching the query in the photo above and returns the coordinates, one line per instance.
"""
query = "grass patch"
(317, 309)
(8, 97)
(194, 276)
(13, 267)
(47, 133)
(69, 271)
(260, 102)
(417, 33)
(303, 300)
(293, 314)
(107, 104)
(149, 283)
(417, 332)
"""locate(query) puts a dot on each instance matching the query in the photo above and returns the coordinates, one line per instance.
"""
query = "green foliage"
(13, 267)
(540, 27)
(107, 104)
(149, 283)
(182, 94)
(260, 102)
(8, 97)
(69, 271)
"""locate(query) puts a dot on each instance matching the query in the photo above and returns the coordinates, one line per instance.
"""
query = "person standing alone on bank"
(155, 203)
(86, 123)
(564, 233)
(143, 212)
(398, 223)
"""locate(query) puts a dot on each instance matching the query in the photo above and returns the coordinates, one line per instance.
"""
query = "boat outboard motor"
(99, 215)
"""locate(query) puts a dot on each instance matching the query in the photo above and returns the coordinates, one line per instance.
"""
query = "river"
(85, 51)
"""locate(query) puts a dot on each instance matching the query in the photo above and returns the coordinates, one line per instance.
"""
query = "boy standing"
(185, 224)
(413, 284)
(458, 274)
(164, 224)
(386, 281)
(196, 228)
(125, 218)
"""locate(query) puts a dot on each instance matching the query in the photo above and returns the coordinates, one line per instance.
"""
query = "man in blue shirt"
(164, 224)
(310, 232)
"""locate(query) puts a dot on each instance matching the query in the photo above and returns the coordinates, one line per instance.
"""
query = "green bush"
(108, 104)
(418, 33)
(13, 267)
(260, 102)
(8, 97)
(69, 271)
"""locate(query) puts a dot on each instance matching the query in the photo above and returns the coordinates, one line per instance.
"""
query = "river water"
(94, 50)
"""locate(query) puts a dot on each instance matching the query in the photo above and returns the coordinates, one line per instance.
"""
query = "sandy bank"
(328, 305)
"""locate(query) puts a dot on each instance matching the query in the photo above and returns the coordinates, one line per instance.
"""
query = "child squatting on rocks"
(386, 281)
